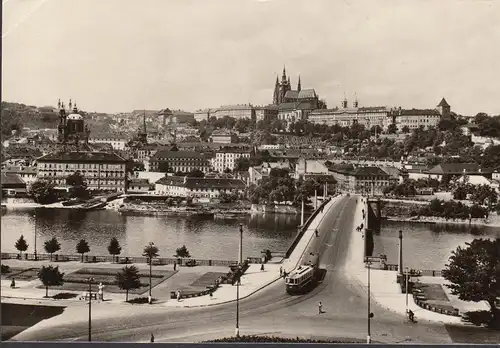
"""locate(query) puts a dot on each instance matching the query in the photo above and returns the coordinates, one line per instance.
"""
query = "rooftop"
(177, 154)
(81, 156)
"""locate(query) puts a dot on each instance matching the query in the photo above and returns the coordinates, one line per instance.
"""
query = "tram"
(304, 277)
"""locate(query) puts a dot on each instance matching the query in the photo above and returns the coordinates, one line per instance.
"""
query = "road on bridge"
(270, 311)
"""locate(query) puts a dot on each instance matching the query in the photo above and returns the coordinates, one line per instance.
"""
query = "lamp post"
(151, 244)
(406, 288)
(370, 314)
(90, 280)
(34, 216)
(240, 264)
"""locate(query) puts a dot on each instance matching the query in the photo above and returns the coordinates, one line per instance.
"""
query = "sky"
(123, 55)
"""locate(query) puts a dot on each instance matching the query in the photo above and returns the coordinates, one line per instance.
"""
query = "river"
(426, 245)
(204, 237)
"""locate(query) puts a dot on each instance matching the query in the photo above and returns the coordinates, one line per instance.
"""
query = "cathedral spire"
(144, 122)
(276, 94)
(299, 87)
(283, 77)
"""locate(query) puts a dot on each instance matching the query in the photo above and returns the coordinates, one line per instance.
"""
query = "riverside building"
(100, 170)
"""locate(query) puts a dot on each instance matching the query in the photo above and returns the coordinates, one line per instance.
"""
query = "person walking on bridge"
(317, 233)
(320, 307)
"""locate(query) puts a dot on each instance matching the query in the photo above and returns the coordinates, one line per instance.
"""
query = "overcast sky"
(120, 55)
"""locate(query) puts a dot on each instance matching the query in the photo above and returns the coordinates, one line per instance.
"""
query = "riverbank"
(222, 211)
(492, 221)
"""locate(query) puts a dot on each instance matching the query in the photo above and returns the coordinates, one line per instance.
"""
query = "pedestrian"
(13, 283)
(100, 291)
(261, 266)
(178, 295)
(175, 265)
(320, 307)
(211, 294)
(411, 315)
(152, 339)
(281, 271)
(317, 234)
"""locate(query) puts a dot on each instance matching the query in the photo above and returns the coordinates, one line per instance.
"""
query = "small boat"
(94, 205)
(72, 202)
(225, 216)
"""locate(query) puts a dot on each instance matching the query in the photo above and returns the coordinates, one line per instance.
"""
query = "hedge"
(274, 339)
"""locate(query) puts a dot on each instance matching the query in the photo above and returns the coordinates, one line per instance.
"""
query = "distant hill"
(15, 116)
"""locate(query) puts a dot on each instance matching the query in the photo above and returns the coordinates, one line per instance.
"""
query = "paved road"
(270, 311)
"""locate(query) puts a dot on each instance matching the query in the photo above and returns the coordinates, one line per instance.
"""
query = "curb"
(229, 301)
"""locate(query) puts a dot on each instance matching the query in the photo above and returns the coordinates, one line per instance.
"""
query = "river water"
(425, 246)
(205, 237)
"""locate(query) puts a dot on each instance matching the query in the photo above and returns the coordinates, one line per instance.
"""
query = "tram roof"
(298, 272)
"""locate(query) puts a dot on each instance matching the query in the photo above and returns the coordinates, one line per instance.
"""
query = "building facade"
(346, 116)
(226, 158)
(223, 136)
(179, 161)
(415, 118)
(100, 170)
(117, 142)
(363, 180)
(266, 113)
(177, 186)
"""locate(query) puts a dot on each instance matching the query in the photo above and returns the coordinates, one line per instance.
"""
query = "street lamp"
(151, 244)
(34, 216)
(240, 264)
(90, 280)
(406, 288)
(370, 314)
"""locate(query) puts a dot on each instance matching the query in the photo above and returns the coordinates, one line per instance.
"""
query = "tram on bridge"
(303, 278)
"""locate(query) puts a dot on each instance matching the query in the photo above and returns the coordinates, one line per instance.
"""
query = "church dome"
(75, 115)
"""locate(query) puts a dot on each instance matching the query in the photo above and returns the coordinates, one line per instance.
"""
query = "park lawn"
(434, 292)
(77, 281)
(24, 274)
(207, 279)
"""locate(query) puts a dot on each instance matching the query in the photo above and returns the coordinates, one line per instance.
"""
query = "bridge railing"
(122, 259)
(423, 272)
(304, 228)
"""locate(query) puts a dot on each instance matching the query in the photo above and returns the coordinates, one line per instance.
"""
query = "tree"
(474, 273)
(114, 248)
(182, 252)
(405, 129)
(21, 244)
(196, 173)
(392, 129)
(52, 246)
(78, 185)
(128, 279)
(50, 276)
(150, 251)
(82, 247)
(42, 192)
(164, 167)
(242, 164)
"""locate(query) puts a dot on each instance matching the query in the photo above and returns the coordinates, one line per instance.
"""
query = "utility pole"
(34, 216)
(90, 308)
(240, 265)
(151, 244)
(302, 213)
(370, 314)
(406, 288)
